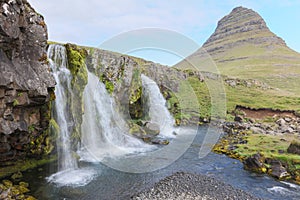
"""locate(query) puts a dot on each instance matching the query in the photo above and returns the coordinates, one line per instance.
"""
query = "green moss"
(23, 165)
(76, 63)
(31, 128)
(109, 87)
(54, 125)
(15, 102)
(135, 87)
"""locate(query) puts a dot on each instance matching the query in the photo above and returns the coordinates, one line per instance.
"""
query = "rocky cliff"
(26, 83)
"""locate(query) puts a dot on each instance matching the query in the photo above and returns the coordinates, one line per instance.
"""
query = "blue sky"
(93, 22)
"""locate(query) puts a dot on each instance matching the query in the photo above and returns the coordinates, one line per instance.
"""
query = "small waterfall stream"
(104, 131)
(158, 111)
(63, 92)
(68, 171)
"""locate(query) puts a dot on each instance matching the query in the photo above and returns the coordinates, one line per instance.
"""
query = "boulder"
(278, 171)
(294, 148)
(255, 163)
(160, 141)
(152, 128)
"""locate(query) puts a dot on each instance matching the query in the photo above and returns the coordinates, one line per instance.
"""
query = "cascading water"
(67, 163)
(157, 109)
(63, 92)
(104, 132)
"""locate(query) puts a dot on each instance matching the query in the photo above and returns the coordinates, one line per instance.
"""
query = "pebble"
(187, 186)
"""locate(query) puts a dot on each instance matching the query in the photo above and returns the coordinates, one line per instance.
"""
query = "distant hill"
(242, 46)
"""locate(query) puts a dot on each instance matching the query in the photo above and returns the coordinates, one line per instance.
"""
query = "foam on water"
(72, 177)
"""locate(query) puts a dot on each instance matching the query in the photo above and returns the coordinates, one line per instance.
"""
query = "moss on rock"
(76, 63)
(9, 190)
(135, 95)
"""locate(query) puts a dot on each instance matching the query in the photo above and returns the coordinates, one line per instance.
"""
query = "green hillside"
(243, 48)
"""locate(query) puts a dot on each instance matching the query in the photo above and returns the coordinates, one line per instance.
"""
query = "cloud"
(93, 21)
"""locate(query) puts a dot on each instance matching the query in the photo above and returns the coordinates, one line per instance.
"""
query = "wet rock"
(160, 141)
(294, 148)
(255, 163)
(278, 171)
(152, 128)
(10, 191)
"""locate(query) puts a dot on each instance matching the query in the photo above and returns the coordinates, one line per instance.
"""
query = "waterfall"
(63, 92)
(68, 172)
(158, 111)
(104, 131)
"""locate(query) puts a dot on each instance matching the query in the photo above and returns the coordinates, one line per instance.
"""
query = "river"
(109, 183)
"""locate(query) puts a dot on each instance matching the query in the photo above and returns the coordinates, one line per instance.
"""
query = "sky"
(98, 22)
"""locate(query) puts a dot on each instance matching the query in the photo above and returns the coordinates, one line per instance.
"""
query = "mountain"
(243, 46)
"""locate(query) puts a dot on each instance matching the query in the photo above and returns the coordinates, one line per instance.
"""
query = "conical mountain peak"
(242, 25)
(243, 46)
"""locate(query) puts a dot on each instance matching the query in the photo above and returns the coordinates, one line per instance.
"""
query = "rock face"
(25, 81)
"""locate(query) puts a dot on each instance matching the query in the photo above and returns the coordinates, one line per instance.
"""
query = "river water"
(109, 183)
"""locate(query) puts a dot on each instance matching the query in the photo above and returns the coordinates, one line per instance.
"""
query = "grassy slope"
(276, 65)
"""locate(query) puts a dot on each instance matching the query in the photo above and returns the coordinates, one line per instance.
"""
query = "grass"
(258, 98)
(270, 145)
(195, 98)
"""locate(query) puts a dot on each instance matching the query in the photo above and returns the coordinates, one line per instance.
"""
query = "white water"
(104, 132)
(67, 163)
(158, 111)
(63, 92)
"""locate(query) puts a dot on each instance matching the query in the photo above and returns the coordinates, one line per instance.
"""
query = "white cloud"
(93, 21)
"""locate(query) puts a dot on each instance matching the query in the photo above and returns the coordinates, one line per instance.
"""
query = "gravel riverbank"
(187, 186)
